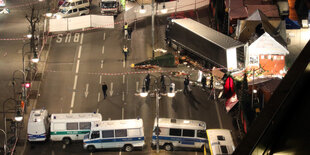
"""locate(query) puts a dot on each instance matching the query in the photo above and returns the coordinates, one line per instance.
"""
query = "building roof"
(270, 11)
(210, 34)
(237, 10)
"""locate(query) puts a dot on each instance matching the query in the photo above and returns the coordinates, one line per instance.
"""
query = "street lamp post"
(153, 29)
(5, 141)
(3, 108)
(157, 120)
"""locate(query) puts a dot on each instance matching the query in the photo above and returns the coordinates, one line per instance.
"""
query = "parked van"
(75, 4)
(38, 126)
(179, 133)
(68, 127)
(126, 134)
(220, 141)
(71, 12)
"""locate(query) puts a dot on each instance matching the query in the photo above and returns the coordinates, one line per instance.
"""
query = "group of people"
(127, 35)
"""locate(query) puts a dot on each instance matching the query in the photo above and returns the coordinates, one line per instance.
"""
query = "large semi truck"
(211, 47)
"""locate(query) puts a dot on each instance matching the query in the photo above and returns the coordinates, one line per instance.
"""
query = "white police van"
(127, 134)
(220, 141)
(179, 133)
(37, 128)
(67, 127)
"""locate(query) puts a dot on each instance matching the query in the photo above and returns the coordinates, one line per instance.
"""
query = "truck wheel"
(168, 147)
(128, 148)
(91, 148)
(66, 140)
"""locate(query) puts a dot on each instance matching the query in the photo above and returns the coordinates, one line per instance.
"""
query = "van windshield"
(63, 11)
(108, 4)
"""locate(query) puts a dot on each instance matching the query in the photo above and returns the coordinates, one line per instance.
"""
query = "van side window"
(188, 133)
(82, 9)
(134, 132)
(72, 4)
(70, 11)
(85, 1)
(95, 134)
(74, 10)
(85, 125)
(201, 134)
(121, 133)
(78, 2)
(72, 126)
(59, 126)
(224, 149)
(175, 132)
(108, 134)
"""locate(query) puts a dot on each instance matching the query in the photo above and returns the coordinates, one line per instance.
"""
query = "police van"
(75, 4)
(220, 141)
(127, 134)
(37, 129)
(179, 133)
(67, 127)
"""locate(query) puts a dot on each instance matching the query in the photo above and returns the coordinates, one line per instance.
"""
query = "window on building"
(175, 132)
(72, 126)
(108, 134)
(121, 133)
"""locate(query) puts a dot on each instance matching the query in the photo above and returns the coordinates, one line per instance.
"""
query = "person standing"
(129, 32)
(104, 90)
(147, 82)
(125, 51)
(162, 81)
(203, 82)
(211, 82)
(125, 30)
(186, 83)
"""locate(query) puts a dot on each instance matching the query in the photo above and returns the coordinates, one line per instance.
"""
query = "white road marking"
(111, 91)
(137, 86)
(63, 146)
(81, 41)
(77, 66)
(100, 79)
(124, 64)
(75, 81)
(86, 90)
(123, 79)
(102, 51)
(72, 99)
(97, 110)
(123, 96)
(80, 49)
(70, 111)
(123, 112)
(101, 66)
(218, 115)
(98, 96)
(120, 153)
(104, 36)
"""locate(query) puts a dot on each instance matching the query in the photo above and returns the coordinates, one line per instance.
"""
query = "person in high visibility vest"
(125, 30)
(125, 51)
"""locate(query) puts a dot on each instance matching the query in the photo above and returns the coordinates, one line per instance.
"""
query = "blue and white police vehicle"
(126, 134)
(38, 125)
(179, 133)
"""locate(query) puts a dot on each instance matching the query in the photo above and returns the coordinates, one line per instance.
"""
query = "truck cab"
(110, 7)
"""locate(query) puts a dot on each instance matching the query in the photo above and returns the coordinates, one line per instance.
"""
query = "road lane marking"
(104, 36)
(102, 51)
(111, 91)
(137, 86)
(77, 66)
(120, 153)
(70, 111)
(72, 99)
(97, 110)
(123, 96)
(123, 79)
(218, 115)
(86, 90)
(98, 96)
(101, 66)
(123, 112)
(80, 49)
(75, 82)
(124, 63)
(63, 146)
(81, 41)
(100, 79)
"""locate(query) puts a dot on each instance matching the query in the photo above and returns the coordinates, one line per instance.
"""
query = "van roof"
(75, 117)
(181, 123)
(37, 115)
(213, 137)
(118, 124)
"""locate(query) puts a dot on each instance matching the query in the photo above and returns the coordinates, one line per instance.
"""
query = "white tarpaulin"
(265, 44)
(67, 24)
(173, 6)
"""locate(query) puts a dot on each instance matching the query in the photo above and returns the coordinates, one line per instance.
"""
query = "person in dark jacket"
(104, 89)
(203, 82)
(147, 82)
(186, 85)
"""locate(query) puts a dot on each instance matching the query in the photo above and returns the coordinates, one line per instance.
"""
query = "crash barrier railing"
(74, 23)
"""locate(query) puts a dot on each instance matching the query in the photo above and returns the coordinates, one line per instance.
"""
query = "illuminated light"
(27, 85)
(35, 58)
(171, 94)
(18, 116)
(282, 57)
(29, 36)
(58, 17)
(143, 94)
(48, 14)
(254, 91)
(274, 57)
(262, 57)
(164, 10)
(269, 56)
(186, 121)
